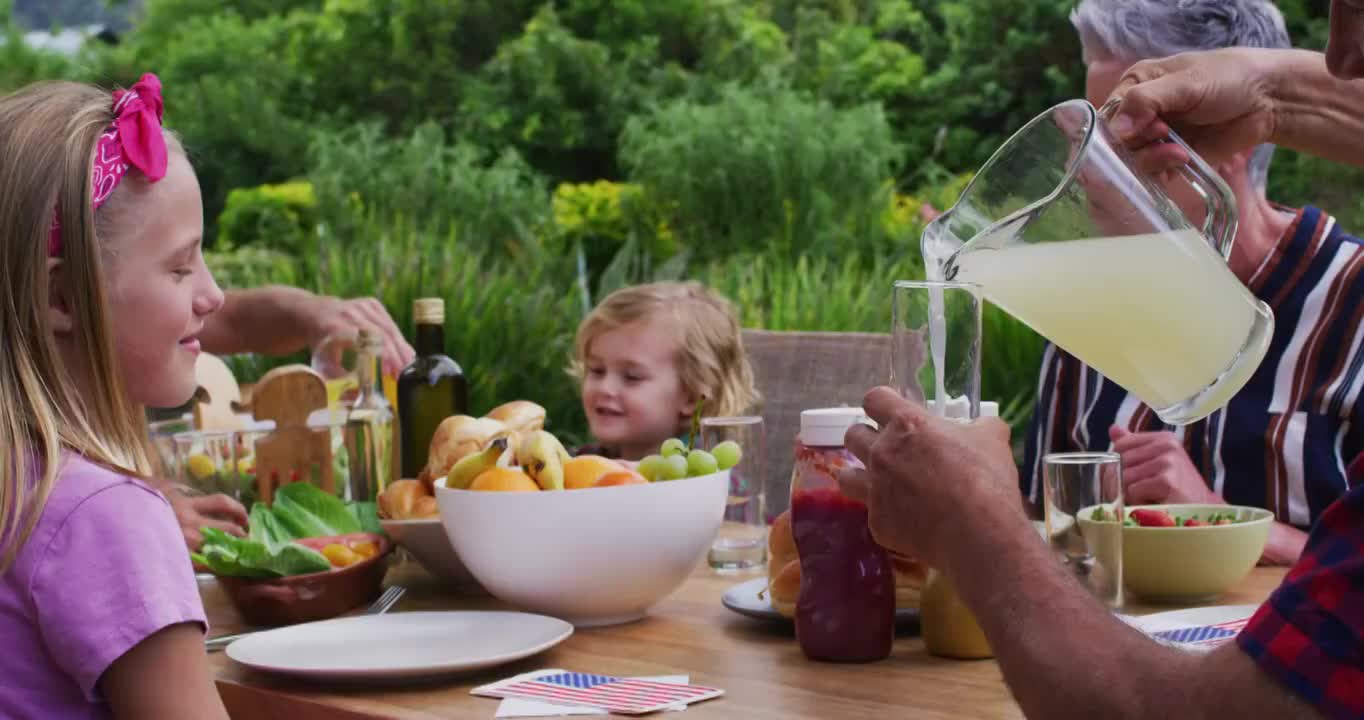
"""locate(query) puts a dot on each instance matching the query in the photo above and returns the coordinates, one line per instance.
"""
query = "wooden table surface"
(759, 665)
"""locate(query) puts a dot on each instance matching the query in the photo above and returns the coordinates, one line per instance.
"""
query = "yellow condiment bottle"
(948, 626)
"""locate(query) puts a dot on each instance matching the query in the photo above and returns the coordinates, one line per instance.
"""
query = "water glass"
(935, 345)
(1084, 512)
(741, 543)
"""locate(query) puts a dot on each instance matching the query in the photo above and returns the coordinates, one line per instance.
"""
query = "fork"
(379, 607)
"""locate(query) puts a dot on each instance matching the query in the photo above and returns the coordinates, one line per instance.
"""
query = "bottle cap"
(825, 427)
(428, 311)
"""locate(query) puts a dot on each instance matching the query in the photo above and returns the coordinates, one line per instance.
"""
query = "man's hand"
(195, 512)
(1221, 102)
(926, 473)
(278, 320)
(1157, 470)
(329, 316)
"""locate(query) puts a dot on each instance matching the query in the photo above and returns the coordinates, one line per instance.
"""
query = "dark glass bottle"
(430, 389)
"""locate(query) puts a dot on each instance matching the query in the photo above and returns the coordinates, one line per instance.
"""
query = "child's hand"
(200, 511)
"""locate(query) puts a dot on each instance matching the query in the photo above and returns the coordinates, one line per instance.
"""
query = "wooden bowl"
(305, 598)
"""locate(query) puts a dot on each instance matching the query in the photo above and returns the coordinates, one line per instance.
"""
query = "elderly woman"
(1284, 441)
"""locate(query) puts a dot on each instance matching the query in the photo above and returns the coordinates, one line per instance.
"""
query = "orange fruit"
(585, 470)
(621, 477)
(500, 479)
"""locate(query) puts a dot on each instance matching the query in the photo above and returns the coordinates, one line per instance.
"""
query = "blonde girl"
(647, 354)
(103, 294)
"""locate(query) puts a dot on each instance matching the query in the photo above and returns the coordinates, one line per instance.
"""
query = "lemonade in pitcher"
(1064, 234)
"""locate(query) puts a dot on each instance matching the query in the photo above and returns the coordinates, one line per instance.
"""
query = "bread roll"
(456, 437)
(781, 545)
(398, 500)
(425, 508)
(521, 416)
(784, 589)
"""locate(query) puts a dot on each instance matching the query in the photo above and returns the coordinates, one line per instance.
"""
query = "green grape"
(727, 454)
(700, 462)
(651, 467)
(673, 446)
(674, 468)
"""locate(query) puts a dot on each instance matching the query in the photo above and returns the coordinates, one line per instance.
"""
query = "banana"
(472, 465)
(543, 456)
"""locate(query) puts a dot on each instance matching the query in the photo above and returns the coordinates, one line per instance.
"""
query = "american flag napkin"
(1206, 635)
(627, 696)
(1177, 629)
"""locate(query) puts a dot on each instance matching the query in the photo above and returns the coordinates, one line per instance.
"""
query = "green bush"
(281, 217)
(603, 218)
(490, 201)
(20, 64)
(765, 169)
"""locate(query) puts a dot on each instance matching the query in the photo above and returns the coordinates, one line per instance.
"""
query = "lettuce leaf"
(367, 514)
(305, 510)
(301, 510)
(243, 557)
(266, 527)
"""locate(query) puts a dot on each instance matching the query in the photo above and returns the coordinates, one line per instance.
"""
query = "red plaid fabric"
(1310, 634)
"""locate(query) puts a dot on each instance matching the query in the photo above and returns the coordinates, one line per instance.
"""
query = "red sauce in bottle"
(846, 608)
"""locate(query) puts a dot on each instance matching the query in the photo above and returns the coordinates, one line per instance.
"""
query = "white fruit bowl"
(597, 556)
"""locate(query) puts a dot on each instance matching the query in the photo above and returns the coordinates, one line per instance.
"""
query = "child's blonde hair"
(711, 361)
(48, 134)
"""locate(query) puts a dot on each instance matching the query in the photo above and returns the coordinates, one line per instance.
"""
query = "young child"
(103, 293)
(647, 354)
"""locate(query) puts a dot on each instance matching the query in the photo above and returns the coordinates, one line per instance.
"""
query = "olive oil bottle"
(430, 389)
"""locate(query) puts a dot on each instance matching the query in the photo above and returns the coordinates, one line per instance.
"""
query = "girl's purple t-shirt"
(105, 568)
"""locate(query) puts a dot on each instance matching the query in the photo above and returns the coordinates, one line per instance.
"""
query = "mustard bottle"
(949, 628)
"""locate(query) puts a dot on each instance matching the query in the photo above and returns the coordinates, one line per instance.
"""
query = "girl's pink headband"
(134, 139)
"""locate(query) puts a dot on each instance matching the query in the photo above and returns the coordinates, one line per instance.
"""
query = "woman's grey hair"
(1132, 30)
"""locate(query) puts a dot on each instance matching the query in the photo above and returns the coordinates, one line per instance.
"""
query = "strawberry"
(1146, 517)
(1194, 522)
(1224, 521)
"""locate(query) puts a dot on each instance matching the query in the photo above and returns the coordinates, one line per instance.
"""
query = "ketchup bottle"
(846, 608)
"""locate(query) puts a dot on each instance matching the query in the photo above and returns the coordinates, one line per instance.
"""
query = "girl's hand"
(195, 512)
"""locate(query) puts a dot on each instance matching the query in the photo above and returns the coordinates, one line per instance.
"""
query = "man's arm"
(1064, 655)
(274, 320)
(278, 320)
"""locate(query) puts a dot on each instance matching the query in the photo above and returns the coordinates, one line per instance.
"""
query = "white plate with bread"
(774, 597)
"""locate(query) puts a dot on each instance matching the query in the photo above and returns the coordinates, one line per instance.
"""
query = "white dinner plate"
(399, 645)
(1197, 629)
(744, 599)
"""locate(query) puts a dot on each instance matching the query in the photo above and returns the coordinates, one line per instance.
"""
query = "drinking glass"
(1083, 501)
(741, 543)
(935, 345)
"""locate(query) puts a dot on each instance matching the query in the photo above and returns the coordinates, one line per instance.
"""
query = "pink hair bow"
(133, 140)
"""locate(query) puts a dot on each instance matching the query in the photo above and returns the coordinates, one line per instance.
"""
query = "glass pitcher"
(1063, 231)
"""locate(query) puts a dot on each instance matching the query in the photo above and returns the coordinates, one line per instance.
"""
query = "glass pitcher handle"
(1219, 227)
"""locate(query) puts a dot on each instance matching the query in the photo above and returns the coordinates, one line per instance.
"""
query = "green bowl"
(1190, 564)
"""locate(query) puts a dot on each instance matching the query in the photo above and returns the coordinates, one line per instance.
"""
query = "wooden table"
(759, 665)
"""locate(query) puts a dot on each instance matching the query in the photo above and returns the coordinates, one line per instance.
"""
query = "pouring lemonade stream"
(1062, 231)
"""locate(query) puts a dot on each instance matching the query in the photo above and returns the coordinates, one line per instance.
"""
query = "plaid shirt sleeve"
(1309, 635)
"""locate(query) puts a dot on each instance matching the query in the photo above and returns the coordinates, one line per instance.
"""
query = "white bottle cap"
(825, 427)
